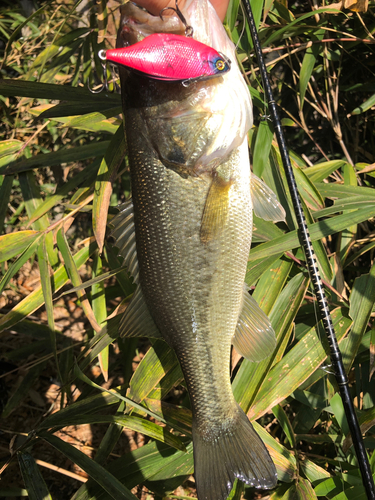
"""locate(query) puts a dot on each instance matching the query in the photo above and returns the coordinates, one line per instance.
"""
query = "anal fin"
(254, 337)
(215, 211)
(137, 320)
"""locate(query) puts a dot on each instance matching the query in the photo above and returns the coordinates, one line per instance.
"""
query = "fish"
(170, 57)
(185, 236)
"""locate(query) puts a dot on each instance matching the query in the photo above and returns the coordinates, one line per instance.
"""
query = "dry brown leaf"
(354, 5)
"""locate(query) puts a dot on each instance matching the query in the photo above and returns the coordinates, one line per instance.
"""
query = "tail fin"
(235, 453)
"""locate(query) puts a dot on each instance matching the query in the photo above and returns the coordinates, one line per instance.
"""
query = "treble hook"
(189, 30)
(105, 83)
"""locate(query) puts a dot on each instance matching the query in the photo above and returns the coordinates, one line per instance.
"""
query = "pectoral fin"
(215, 211)
(254, 337)
(124, 234)
(137, 320)
(265, 204)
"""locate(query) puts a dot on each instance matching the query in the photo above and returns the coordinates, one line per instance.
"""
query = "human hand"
(155, 6)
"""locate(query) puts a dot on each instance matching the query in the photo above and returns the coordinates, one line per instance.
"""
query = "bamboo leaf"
(362, 299)
(47, 295)
(285, 424)
(156, 364)
(33, 301)
(57, 157)
(262, 147)
(99, 308)
(140, 465)
(308, 63)
(9, 87)
(133, 423)
(318, 231)
(22, 259)
(75, 278)
(32, 197)
(22, 390)
(100, 475)
(86, 177)
(5, 191)
(369, 103)
(103, 186)
(9, 146)
(13, 244)
(301, 490)
(320, 171)
(283, 459)
(296, 366)
(34, 482)
(250, 376)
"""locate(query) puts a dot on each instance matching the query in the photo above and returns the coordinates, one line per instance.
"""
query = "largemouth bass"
(185, 236)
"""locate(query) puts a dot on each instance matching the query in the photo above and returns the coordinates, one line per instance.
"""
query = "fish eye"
(220, 64)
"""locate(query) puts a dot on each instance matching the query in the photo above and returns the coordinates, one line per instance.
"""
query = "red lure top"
(165, 56)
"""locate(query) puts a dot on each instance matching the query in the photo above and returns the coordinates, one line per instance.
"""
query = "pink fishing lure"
(165, 56)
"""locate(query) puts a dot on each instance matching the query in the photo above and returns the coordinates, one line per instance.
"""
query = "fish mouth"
(136, 23)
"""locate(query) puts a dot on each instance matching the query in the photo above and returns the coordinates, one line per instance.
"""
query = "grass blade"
(100, 475)
(34, 482)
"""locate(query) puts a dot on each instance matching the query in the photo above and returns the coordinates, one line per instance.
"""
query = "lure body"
(166, 56)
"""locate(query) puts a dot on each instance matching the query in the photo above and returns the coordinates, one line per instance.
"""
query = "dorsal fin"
(254, 337)
(124, 234)
(265, 204)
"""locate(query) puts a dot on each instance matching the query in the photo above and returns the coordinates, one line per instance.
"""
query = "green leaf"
(271, 283)
(10, 146)
(32, 197)
(22, 259)
(283, 459)
(251, 376)
(95, 122)
(362, 299)
(262, 147)
(159, 361)
(301, 490)
(22, 88)
(318, 231)
(154, 460)
(47, 295)
(99, 306)
(285, 424)
(33, 301)
(100, 475)
(65, 155)
(13, 244)
(369, 103)
(34, 482)
(103, 186)
(257, 267)
(5, 192)
(320, 171)
(296, 366)
(86, 177)
(308, 63)
(136, 424)
(22, 390)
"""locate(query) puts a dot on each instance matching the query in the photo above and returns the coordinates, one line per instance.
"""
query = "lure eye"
(220, 65)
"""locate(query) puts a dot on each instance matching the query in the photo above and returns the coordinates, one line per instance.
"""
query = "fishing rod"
(335, 354)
